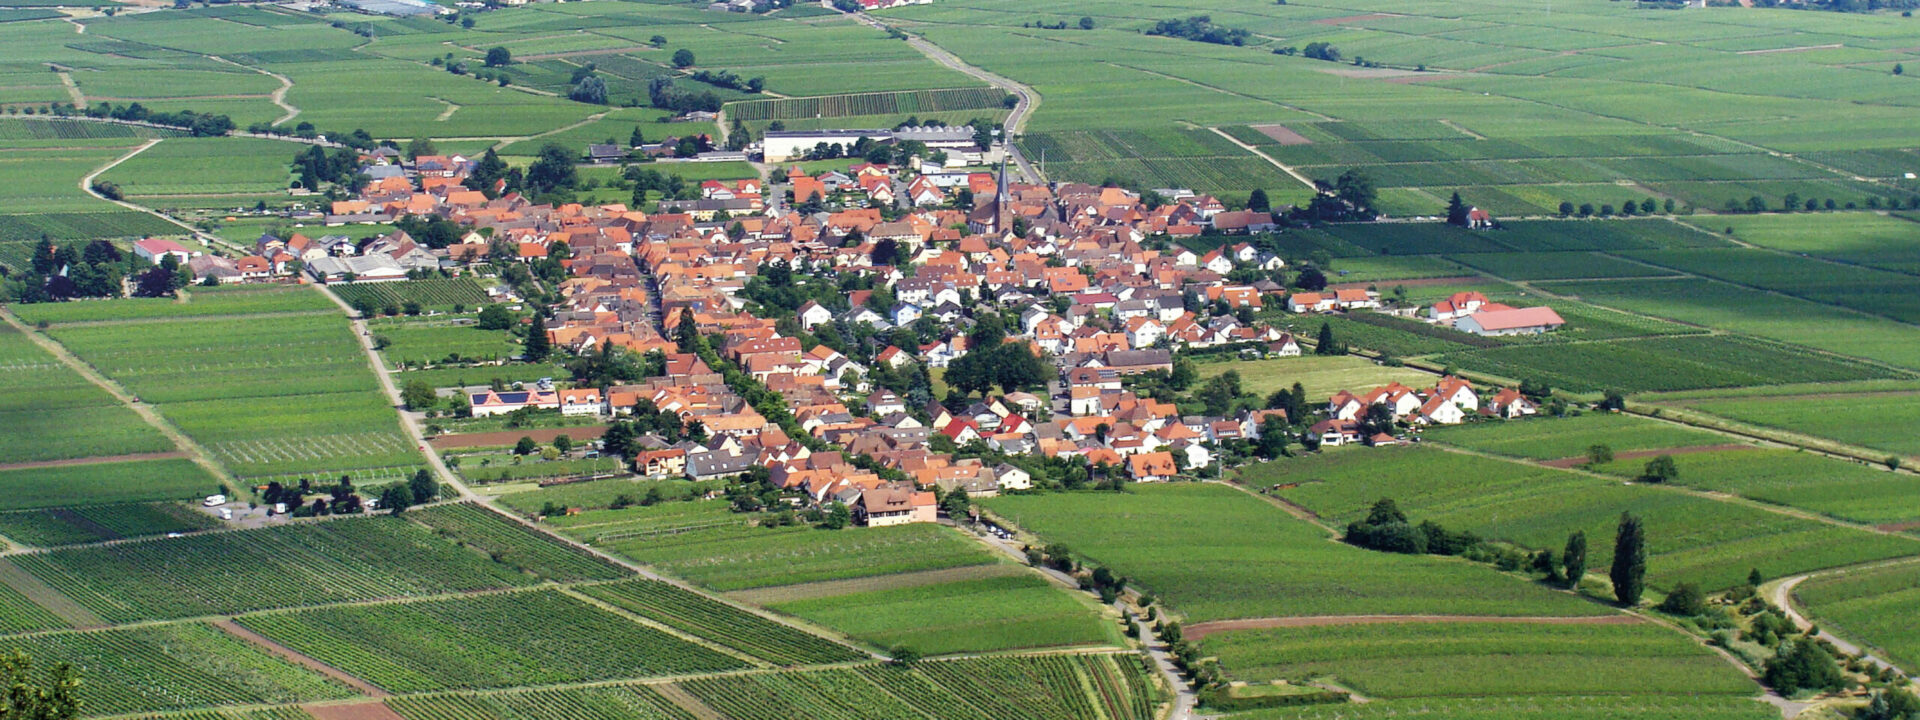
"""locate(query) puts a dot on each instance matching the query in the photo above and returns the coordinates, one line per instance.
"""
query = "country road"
(1028, 98)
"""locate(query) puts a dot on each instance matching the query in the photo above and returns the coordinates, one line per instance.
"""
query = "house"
(666, 462)
(1009, 477)
(597, 153)
(813, 314)
(582, 401)
(153, 249)
(494, 402)
(1456, 306)
(1439, 410)
(1309, 302)
(1509, 403)
(1513, 321)
(1336, 431)
(1152, 467)
(1286, 346)
(1478, 219)
(894, 505)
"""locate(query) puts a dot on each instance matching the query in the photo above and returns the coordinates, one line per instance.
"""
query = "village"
(797, 327)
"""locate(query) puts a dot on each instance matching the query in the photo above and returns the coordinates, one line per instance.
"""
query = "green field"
(508, 542)
(1000, 613)
(1843, 489)
(721, 623)
(1690, 538)
(1415, 659)
(116, 482)
(1321, 376)
(42, 401)
(635, 702)
(737, 557)
(199, 302)
(1869, 606)
(1535, 708)
(485, 642)
(1835, 416)
(95, 523)
(175, 667)
(1055, 687)
(1213, 552)
(436, 293)
(1657, 364)
(1547, 438)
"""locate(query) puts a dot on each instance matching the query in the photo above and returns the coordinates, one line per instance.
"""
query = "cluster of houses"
(1449, 402)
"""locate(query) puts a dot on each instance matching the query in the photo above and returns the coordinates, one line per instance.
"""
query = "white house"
(153, 249)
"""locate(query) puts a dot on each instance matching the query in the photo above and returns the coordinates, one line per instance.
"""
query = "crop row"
(19, 614)
(111, 482)
(93, 523)
(342, 560)
(613, 702)
(1538, 707)
(435, 293)
(889, 103)
(1669, 363)
(173, 667)
(541, 637)
(82, 226)
(719, 622)
(510, 543)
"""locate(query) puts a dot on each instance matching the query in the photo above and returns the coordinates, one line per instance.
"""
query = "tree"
(1257, 201)
(418, 394)
(499, 57)
(1899, 69)
(1802, 664)
(526, 446)
(494, 317)
(591, 89)
(1356, 188)
(552, 170)
(1456, 211)
(29, 695)
(1686, 600)
(1754, 578)
(1566, 208)
(156, 281)
(838, 517)
(1086, 23)
(1599, 454)
(396, 499)
(955, 504)
(1310, 279)
(563, 443)
(1573, 560)
(1326, 344)
(537, 346)
(423, 487)
(904, 656)
(1629, 571)
(657, 40)
(1893, 703)
(683, 58)
(1660, 469)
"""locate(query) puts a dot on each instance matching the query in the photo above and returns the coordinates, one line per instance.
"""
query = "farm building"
(782, 145)
(894, 505)
(153, 249)
(500, 403)
(1510, 321)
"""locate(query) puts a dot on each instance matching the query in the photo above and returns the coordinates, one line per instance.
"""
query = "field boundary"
(1200, 630)
(46, 596)
(95, 460)
(230, 627)
(834, 588)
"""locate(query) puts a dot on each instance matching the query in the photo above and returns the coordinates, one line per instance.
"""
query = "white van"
(214, 500)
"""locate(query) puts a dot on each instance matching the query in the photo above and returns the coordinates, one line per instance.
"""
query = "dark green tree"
(1325, 344)
(1257, 201)
(1660, 469)
(683, 58)
(1573, 561)
(499, 57)
(1802, 664)
(418, 394)
(30, 695)
(526, 446)
(1456, 211)
(396, 499)
(494, 317)
(1629, 571)
(423, 487)
(552, 170)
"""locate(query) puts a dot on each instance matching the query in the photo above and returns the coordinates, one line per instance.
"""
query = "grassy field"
(1405, 660)
(104, 483)
(1690, 539)
(1584, 707)
(721, 623)
(1663, 363)
(1869, 606)
(737, 557)
(484, 642)
(1837, 416)
(432, 294)
(991, 614)
(1547, 438)
(1054, 687)
(199, 302)
(1321, 376)
(42, 401)
(175, 667)
(1847, 490)
(1213, 552)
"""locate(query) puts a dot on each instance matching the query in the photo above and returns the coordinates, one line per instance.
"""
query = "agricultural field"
(198, 302)
(96, 523)
(222, 379)
(1869, 605)
(343, 560)
(1008, 612)
(510, 543)
(737, 557)
(1403, 660)
(1690, 538)
(1321, 376)
(175, 667)
(718, 622)
(1585, 707)
(42, 401)
(205, 166)
(1836, 416)
(1656, 364)
(483, 641)
(922, 102)
(104, 483)
(1847, 490)
(1052, 687)
(446, 294)
(434, 340)
(1213, 552)
(1547, 438)
(1881, 241)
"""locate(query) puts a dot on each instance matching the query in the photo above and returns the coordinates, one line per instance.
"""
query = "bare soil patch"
(509, 437)
(1282, 135)
(375, 710)
(1568, 462)
(1200, 630)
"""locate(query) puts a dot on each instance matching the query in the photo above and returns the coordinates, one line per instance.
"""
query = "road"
(407, 419)
(1016, 123)
(1780, 593)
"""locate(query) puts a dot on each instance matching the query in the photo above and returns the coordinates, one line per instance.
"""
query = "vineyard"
(1013, 611)
(541, 637)
(1679, 363)
(1051, 687)
(17, 128)
(23, 229)
(343, 560)
(515, 545)
(1535, 708)
(200, 302)
(612, 702)
(1862, 493)
(19, 614)
(888, 103)
(737, 557)
(176, 666)
(721, 623)
(433, 293)
(114, 482)
(1554, 438)
(95, 523)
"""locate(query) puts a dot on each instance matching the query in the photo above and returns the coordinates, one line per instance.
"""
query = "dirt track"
(93, 460)
(1200, 630)
(1568, 462)
(375, 710)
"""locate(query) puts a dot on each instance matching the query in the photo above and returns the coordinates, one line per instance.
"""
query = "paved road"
(1781, 594)
(407, 419)
(1016, 122)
